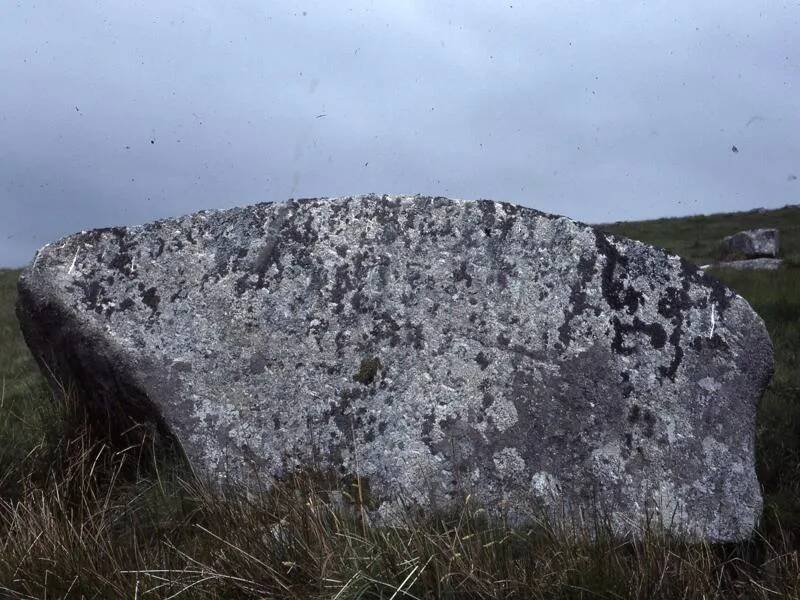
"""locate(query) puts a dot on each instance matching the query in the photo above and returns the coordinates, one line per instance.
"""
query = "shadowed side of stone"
(431, 347)
(81, 364)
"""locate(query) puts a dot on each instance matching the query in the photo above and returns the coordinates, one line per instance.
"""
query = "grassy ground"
(78, 520)
(697, 238)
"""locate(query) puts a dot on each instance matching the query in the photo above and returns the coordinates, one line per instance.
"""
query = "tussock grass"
(88, 530)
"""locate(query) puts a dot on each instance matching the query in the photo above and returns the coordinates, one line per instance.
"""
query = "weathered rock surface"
(753, 243)
(435, 347)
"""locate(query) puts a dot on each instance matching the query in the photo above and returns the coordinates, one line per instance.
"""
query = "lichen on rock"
(434, 347)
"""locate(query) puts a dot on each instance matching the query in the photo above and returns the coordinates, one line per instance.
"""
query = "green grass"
(80, 520)
(697, 238)
(28, 420)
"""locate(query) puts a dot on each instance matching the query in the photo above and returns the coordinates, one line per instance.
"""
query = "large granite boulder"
(753, 243)
(432, 347)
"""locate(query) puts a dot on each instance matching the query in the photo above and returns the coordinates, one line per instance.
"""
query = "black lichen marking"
(91, 296)
(126, 304)
(715, 342)
(650, 422)
(483, 360)
(719, 294)
(634, 413)
(342, 413)
(368, 370)
(94, 295)
(627, 387)
(276, 422)
(122, 263)
(123, 260)
(342, 284)
(150, 298)
(487, 212)
(656, 333)
(491, 221)
(460, 274)
(674, 303)
(617, 295)
(675, 340)
(414, 335)
(577, 298)
(503, 340)
(386, 328)
(488, 400)
(181, 293)
(159, 250)
(426, 429)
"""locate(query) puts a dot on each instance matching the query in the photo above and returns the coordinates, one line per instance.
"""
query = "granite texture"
(433, 347)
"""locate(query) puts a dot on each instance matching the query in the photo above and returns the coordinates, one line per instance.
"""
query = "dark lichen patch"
(656, 333)
(368, 370)
(719, 294)
(650, 422)
(461, 274)
(674, 303)
(634, 414)
(93, 294)
(386, 327)
(483, 360)
(414, 335)
(675, 340)
(616, 293)
(715, 342)
(159, 250)
(150, 298)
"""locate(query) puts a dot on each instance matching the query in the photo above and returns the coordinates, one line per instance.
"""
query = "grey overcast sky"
(122, 112)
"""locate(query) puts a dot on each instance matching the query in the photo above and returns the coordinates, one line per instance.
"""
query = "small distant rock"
(753, 243)
(752, 264)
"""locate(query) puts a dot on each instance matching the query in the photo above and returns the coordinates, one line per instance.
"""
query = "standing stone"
(433, 347)
(753, 243)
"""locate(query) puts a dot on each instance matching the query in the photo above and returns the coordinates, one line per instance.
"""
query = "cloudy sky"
(122, 112)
